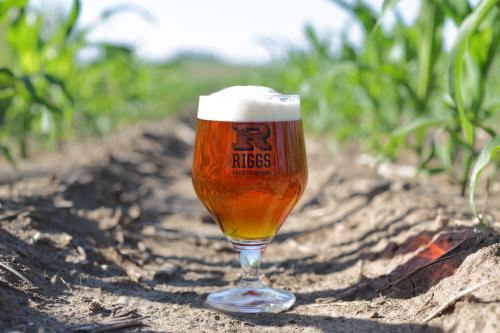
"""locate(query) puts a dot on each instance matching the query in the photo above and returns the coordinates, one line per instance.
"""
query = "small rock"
(149, 230)
(37, 236)
(375, 315)
(122, 300)
(166, 271)
(61, 203)
(134, 212)
(141, 247)
(391, 170)
(64, 240)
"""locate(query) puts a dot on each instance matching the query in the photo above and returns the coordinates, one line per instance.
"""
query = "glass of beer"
(249, 171)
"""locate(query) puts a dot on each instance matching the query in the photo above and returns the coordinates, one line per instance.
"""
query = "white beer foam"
(249, 104)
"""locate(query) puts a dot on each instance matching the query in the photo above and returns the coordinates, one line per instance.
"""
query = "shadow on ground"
(331, 324)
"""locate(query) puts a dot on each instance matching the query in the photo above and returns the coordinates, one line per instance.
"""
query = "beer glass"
(249, 171)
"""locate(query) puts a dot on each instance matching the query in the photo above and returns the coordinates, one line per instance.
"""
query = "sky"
(239, 31)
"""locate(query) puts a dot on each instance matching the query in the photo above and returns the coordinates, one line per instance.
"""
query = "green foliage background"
(402, 91)
(48, 96)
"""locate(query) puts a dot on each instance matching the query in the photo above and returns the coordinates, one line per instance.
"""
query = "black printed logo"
(251, 149)
(249, 138)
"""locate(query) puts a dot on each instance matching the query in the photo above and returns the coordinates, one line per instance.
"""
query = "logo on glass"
(251, 148)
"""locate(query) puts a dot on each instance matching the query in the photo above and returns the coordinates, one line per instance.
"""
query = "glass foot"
(251, 299)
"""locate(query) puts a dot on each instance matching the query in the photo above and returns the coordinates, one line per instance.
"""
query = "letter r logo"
(248, 138)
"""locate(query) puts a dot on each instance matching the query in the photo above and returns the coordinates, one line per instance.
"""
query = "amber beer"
(249, 175)
(249, 170)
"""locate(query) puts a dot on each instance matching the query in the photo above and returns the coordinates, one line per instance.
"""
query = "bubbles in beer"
(249, 104)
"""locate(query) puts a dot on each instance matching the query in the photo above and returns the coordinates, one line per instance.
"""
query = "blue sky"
(240, 31)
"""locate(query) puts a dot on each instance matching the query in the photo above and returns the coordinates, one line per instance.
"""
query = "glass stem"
(250, 259)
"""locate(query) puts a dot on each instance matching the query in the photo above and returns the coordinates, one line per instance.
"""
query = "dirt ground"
(110, 232)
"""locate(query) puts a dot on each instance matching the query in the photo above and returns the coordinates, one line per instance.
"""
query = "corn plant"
(46, 95)
(476, 117)
(401, 90)
(475, 48)
(31, 91)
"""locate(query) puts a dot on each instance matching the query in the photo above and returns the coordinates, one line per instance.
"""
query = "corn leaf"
(400, 134)
(418, 124)
(5, 152)
(7, 91)
(7, 78)
(6, 5)
(457, 57)
(487, 155)
(73, 17)
(59, 83)
(362, 12)
(432, 20)
(457, 10)
(36, 98)
(386, 7)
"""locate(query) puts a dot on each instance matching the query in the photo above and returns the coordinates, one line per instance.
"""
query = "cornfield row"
(403, 91)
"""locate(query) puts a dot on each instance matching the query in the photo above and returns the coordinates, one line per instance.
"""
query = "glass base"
(251, 299)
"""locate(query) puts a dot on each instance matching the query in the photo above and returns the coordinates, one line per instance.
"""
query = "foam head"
(249, 104)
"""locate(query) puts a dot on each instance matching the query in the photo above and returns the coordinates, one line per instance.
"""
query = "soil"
(111, 230)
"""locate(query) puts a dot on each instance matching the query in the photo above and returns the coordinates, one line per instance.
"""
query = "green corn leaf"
(430, 43)
(7, 91)
(444, 148)
(61, 36)
(457, 57)
(6, 153)
(361, 11)
(485, 157)
(6, 5)
(37, 98)
(7, 78)
(457, 10)
(319, 46)
(73, 17)
(386, 7)
(59, 83)
(417, 124)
